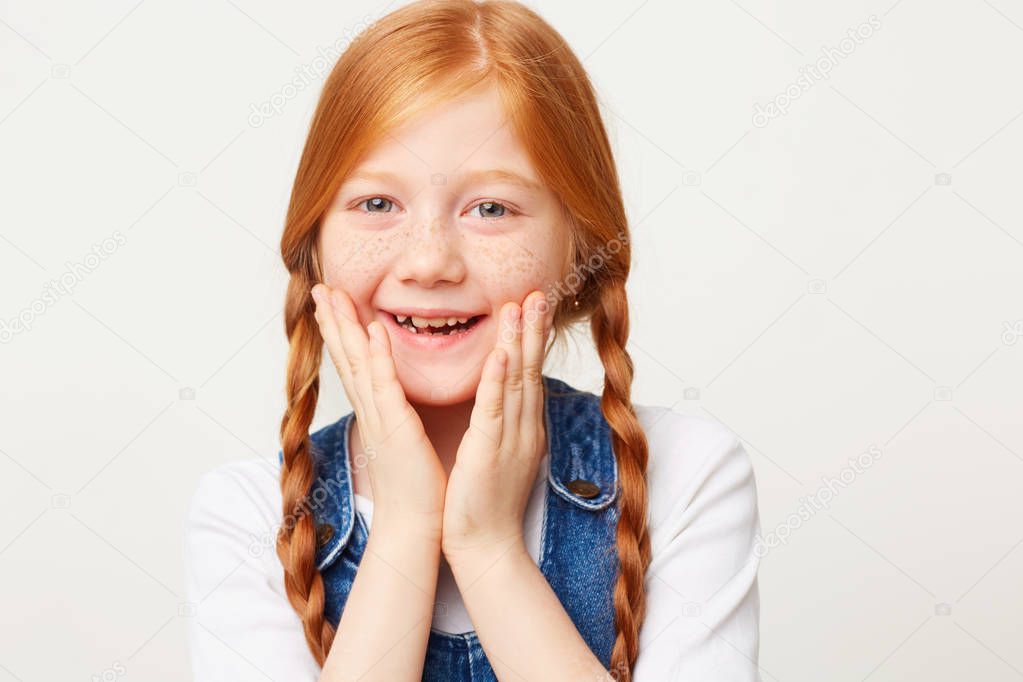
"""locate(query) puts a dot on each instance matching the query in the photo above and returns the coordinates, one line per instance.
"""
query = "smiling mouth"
(418, 325)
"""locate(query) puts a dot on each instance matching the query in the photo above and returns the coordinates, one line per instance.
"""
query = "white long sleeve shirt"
(703, 608)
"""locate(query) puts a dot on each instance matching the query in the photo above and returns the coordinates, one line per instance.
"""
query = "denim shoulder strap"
(579, 555)
(331, 499)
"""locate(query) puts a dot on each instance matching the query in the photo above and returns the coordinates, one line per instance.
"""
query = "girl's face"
(445, 218)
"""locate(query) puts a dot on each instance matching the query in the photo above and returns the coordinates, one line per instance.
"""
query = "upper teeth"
(423, 322)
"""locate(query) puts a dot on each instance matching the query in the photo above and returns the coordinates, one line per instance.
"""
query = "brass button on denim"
(324, 532)
(583, 488)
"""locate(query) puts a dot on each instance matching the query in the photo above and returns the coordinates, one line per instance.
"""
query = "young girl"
(456, 208)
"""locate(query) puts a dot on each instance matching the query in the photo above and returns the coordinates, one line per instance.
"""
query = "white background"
(816, 283)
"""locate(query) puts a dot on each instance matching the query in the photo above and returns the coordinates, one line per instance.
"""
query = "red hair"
(418, 55)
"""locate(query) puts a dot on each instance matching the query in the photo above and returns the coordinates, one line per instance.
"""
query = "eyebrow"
(493, 175)
(506, 176)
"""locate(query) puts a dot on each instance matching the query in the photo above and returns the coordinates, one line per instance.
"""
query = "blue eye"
(491, 209)
(376, 203)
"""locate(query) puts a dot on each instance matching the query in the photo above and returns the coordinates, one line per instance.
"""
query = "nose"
(431, 254)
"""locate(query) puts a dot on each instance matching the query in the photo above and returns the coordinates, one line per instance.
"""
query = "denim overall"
(578, 554)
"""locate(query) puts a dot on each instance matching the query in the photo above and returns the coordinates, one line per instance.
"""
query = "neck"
(445, 425)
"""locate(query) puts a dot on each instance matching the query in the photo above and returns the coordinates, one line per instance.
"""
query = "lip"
(429, 312)
(427, 341)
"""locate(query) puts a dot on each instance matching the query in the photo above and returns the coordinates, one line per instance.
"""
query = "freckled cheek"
(357, 264)
(511, 268)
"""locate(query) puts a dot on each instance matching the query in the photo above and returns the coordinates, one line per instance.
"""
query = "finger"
(487, 418)
(511, 342)
(325, 318)
(388, 395)
(532, 368)
(356, 345)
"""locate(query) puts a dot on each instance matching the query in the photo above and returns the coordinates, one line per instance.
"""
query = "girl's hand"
(499, 456)
(405, 474)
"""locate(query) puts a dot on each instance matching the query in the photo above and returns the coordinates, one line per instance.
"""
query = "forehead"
(467, 134)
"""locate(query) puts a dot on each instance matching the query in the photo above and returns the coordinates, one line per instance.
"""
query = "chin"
(433, 385)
